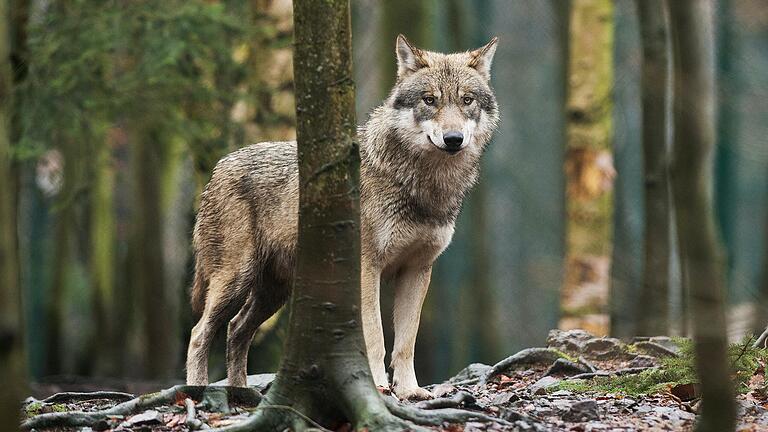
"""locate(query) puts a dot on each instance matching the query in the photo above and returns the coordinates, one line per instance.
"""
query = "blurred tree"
(589, 163)
(163, 77)
(13, 370)
(401, 16)
(653, 305)
(474, 333)
(692, 183)
(324, 373)
(159, 319)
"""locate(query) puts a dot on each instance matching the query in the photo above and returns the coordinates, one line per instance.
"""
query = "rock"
(561, 393)
(504, 398)
(443, 389)
(215, 399)
(667, 342)
(568, 340)
(603, 348)
(473, 371)
(642, 361)
(474, 426)
(673, 414)
(582, 411)
(563, 367)
(259, 381)
(541, 386)
(150, 417)
(656, 350)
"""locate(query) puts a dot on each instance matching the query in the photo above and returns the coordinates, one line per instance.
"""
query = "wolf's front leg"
(410, 289)
(371, 315)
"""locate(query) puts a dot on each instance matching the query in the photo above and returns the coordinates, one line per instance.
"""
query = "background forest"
(125, 107)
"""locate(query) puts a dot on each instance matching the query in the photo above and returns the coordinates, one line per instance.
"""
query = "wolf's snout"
(453, 141)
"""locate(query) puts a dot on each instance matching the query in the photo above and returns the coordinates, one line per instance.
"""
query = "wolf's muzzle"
(453, 141)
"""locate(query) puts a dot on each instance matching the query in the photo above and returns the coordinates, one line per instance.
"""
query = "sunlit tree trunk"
(324, 373)
(653, 307)
(271, 62)
(589, 163)
(701, 257)
(12, 359)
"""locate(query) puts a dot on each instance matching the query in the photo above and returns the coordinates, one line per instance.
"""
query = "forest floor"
(577, 383)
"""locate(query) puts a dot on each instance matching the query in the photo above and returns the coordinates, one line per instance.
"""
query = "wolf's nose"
(453, 140)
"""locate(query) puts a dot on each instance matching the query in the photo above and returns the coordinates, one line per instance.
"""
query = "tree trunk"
(324, 373)
(589, 165)
(653, 307)
(102, 260)
(396, 16)
(160, 326)
(13, 371)
(692, 182)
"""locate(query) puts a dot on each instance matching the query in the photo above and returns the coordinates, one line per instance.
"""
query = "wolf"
(419, 156)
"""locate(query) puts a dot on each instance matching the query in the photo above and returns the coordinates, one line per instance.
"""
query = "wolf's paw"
(412, 393)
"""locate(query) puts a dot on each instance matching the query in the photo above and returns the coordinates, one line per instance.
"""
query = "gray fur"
(411, 194)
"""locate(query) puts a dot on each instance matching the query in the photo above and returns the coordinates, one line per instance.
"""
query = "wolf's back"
(245, 212)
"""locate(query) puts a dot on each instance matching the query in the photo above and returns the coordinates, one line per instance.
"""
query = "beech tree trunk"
(324, 373)
(653, 307)
(589, 165)
(13, 370)
(701, 258)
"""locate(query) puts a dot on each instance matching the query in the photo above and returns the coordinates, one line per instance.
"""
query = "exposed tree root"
(760, 342)
(239, 395)
(525, 357)
(447, 402)
(192, 422)
(437, 417)
(66, 397)
(620, 372)
(267, 418)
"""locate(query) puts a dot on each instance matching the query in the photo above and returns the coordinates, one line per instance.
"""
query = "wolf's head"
(444, 102)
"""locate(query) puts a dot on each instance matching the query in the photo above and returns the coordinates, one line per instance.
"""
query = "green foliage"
(33, 409)
(94, 63)
(744, 359)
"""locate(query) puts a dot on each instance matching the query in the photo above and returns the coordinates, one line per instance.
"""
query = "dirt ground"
(577, 383)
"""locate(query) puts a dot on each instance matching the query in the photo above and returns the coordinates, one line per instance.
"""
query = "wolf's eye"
(429, 100)
(468, 100)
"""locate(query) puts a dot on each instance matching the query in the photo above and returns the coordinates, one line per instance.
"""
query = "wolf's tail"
(199, 289)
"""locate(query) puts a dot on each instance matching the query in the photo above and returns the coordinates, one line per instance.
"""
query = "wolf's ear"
(482, 58)
(409, 58)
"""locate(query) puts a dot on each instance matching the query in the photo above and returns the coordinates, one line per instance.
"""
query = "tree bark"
(13, 370)
(589, 162)
(653, 307)
(324, 373)
(159, 325)
(102, 259)
(701, 257)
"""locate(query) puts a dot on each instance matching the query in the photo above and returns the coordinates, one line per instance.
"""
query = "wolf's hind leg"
(410, 290)
(214, 316)
(264, 299)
